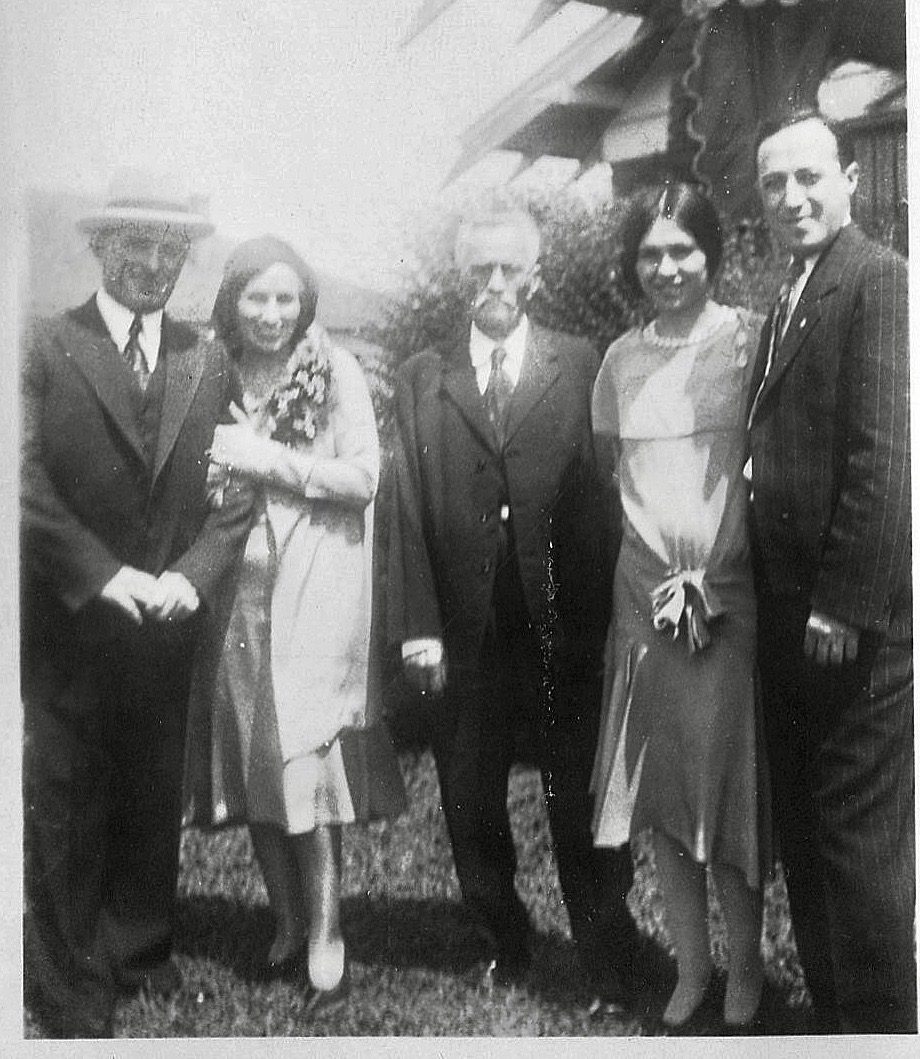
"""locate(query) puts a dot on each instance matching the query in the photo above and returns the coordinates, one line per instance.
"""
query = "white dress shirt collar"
(481, 347)
(118, 321)
(807, 269)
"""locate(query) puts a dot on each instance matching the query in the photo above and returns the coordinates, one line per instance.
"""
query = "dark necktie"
(779, 321)
(784, 301)
(134, 355)
(498, 394)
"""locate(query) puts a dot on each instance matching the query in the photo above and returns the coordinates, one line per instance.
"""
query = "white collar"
(514, 345)
(118, 320)
(809, 266)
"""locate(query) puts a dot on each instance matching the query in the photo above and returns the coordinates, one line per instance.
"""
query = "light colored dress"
(292, 672)
(680, 739)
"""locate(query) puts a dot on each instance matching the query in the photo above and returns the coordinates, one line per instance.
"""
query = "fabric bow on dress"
(683, 597)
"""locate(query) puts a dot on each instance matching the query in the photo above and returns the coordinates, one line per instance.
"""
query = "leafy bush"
(582, 291)
(752, 268)
(579, 294)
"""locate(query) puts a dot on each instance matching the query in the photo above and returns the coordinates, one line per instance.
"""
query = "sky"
(313, 119)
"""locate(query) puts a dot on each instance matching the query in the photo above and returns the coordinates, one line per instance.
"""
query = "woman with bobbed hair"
(680, 744)
(246, 263)
(291, 672)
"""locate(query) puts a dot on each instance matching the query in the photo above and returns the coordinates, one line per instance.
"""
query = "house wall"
(641, 129)
(880, 202)
(637, 145)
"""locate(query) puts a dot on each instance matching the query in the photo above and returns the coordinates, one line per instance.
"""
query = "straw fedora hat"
(139, 196)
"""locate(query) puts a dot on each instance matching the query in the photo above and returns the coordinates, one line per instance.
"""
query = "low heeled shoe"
(706, 1017)
(317, 1000)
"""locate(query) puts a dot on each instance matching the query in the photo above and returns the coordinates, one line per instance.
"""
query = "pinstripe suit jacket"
(830, 442)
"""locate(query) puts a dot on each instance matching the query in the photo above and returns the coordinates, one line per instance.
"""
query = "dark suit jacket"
(830, 441)
(91, 502)
(450, 482)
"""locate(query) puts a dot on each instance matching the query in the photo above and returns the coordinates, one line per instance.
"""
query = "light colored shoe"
(320, 999)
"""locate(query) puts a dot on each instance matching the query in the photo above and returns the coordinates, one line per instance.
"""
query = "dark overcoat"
(449, 537)
(451, 479)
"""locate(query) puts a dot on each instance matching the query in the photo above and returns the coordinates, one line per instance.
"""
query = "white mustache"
(502, 299)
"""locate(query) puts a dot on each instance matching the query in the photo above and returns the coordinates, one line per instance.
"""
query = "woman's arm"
(351, 475)
(354, 472)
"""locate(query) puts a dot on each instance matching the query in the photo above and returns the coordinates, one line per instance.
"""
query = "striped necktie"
(498, 394)
(779, 321)
(784, 301)
(134, 355)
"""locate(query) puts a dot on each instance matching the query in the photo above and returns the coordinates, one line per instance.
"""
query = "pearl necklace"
(694, 337)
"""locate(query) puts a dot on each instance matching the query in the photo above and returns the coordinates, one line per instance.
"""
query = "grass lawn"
(413, 954)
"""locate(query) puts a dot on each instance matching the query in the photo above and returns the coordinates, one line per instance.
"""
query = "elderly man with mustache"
(499, 593)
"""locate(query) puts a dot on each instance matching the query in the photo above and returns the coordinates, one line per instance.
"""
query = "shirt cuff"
(428, 651)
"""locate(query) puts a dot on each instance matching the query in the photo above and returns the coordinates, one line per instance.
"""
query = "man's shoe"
(627, 944)
(507, 969)
(706, 1018)
(608, 952)
(162, 981)
(68, 1023)
(612, 997)
(285, 969)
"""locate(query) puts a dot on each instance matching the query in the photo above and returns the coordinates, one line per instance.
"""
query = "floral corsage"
(294, 411)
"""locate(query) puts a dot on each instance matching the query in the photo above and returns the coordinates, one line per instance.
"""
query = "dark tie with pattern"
(784, 301)
(498, 394)
(779, 321)
(134, 355)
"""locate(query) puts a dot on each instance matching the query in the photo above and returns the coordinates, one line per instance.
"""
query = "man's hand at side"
(424, 666)
(830, 642)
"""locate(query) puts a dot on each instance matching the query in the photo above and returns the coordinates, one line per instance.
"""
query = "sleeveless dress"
(291, 671)
(680, 747)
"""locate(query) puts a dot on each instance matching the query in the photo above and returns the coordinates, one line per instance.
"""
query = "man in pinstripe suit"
(831, 502)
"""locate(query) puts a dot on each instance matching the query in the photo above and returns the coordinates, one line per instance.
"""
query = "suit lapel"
(459, 384)
(538, 373)
(185, 362)
(91, 348)
(760, 366)
(824, 280)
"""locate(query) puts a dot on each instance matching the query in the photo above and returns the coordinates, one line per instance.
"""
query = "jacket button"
(486, 566)
(484, 517)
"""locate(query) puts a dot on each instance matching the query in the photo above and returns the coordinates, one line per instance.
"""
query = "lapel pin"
(802, 323)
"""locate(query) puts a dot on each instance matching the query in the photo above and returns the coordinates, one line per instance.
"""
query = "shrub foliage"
(579, 293)
(582, 291)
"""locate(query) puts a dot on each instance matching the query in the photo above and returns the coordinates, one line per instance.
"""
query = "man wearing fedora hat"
(121, 554)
